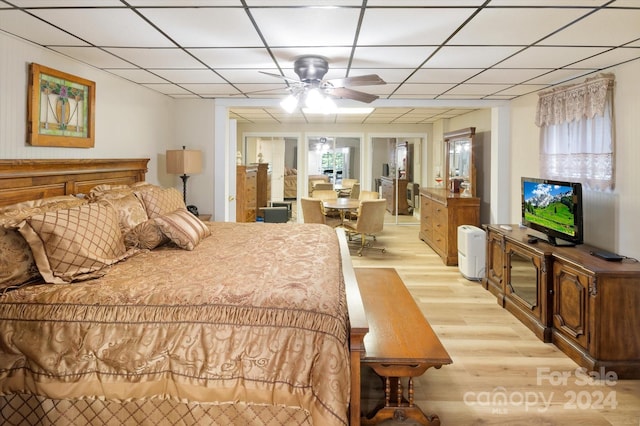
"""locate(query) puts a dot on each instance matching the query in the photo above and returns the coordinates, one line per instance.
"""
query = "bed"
(212, 333)
(291, 182)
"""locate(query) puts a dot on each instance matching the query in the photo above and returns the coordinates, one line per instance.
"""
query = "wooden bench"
(400, 344)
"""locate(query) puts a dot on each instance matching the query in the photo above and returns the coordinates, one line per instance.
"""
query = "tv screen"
(553, 208)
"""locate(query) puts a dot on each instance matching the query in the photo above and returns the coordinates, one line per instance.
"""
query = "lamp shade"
(184, 161)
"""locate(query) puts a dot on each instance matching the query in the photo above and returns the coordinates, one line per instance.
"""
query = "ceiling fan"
(311, 69)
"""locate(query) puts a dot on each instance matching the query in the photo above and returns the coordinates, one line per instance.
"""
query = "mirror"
(460, 170)
(523, 278)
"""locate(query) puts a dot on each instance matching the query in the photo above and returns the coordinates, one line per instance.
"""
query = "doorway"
(396, 164)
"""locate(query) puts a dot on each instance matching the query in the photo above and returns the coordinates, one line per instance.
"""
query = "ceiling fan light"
(289, 104)
(314, 99)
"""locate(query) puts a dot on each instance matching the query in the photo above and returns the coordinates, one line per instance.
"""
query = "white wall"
(131, 121)
(610, 219)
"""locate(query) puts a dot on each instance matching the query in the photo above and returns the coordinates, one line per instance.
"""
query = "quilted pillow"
(146, 235)
(160, 201)
(100, 192)
(183, 228)
(130, 210)
(75, 244)
(17, 265)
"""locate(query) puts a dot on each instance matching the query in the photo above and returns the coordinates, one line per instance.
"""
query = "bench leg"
(397, 407)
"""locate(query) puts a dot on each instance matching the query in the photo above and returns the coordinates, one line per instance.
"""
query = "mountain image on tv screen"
(550, 205)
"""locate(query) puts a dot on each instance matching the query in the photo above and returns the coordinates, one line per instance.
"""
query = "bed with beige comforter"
(249, 327)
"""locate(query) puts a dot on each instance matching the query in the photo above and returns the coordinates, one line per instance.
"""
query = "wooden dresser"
(584, 305)
(263, 187)
(246, 193)
(389, 193)
(441, 212)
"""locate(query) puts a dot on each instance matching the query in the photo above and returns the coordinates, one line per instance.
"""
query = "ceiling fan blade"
(361, 80)
(345, 93)
(280, 76)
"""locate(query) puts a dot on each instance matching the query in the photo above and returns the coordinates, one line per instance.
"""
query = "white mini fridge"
(471, 252)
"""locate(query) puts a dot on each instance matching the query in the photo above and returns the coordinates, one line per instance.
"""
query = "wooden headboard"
(23, 180)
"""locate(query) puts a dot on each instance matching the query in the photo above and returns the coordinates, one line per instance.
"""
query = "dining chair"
(346, 187)
(312, 212)
(355, 191)
(370, 222)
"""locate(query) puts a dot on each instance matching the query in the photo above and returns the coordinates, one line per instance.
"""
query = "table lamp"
(184, 162)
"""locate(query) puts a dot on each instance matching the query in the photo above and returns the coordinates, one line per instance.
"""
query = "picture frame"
(60, 109)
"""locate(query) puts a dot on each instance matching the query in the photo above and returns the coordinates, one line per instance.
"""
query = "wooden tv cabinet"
(588, 307)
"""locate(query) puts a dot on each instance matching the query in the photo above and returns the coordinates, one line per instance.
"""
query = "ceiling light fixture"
(314, 100)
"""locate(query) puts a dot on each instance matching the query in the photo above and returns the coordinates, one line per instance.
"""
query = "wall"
(131, 121)
(610, 218)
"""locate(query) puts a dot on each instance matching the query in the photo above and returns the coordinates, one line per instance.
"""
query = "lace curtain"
(576, 133)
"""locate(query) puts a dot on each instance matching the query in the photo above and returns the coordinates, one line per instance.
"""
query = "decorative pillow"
(17, 265)
(16, 213)
(130, 210)
(146, 235)
(160, 201)
(183, 228)
(104, 191)
(75, 244)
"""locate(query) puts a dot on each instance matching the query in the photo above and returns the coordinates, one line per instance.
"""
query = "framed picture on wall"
(61, 109)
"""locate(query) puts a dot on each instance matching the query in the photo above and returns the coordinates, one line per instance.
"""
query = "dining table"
(343, 205)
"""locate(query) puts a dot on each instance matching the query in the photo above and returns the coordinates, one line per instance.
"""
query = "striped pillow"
(183, 228)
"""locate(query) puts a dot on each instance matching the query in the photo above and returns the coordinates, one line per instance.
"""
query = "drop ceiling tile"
(559, 76)
(477, 89)
(391, 57)
(272, 90)
(402, 96)
(507, 76)
(298, 3)
(157, 58)
(105, 27)
(307, 26)
(470, 57)
(249, 75)
(338, 56)
(519, 26)
(186, 3)
(423, 89)
(426, 3)
(607, 59)
(615, 27)
(460, 97)
(549, 57)
(207, 27)
(443, 75)
(189, 75)
(210, 89)
(66, 3)
(521, 90)
(550, 3)
(234, 58)
(23, 25)
(421, 26)
(167, 89)
(389, 75)
(93, 56)
(137, 75)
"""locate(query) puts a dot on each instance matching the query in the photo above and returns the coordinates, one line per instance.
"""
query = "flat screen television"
(553, 208)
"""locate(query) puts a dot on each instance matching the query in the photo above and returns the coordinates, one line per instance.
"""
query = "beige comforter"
(256, 314)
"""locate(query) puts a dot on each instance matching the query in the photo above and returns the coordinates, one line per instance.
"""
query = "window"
(576, 133)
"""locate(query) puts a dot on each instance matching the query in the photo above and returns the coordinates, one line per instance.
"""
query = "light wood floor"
(501, 373)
